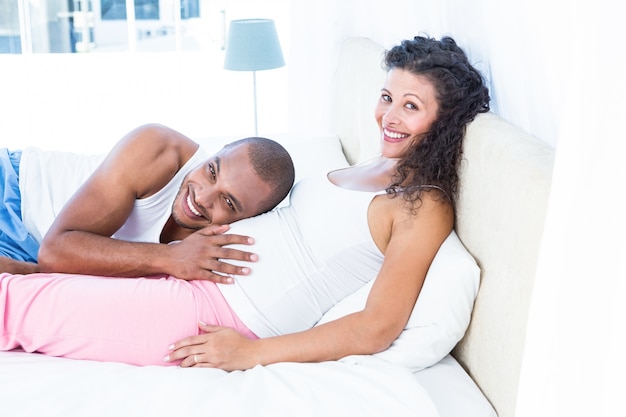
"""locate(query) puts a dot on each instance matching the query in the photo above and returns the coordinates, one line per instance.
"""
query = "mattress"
(32, 384)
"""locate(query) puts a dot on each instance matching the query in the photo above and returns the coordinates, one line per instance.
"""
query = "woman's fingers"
(190, 349)
(184, 349)
(219, 347)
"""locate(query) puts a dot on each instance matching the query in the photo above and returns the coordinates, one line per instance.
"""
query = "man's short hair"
(274, 166)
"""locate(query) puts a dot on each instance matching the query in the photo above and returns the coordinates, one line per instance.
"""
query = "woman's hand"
(218, 347)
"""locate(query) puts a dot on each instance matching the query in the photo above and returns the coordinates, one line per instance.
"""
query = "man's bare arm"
(196, 257)
(140, 165)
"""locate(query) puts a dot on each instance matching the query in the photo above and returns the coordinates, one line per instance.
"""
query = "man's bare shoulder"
(150, 155)
(155, 139)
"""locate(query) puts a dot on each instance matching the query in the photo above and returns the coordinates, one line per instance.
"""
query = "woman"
(383, 219)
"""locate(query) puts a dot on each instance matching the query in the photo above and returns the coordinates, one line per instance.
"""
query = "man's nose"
(206, 197)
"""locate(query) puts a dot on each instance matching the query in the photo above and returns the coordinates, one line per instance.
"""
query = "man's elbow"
(48, 258)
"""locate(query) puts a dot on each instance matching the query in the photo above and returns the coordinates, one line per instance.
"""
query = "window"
(37, 26)
(144, 9)
(9, 27)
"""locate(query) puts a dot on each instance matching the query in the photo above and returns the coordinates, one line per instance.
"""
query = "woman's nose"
(391, 116)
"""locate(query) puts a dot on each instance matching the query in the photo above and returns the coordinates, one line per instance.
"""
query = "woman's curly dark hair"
(461, 94)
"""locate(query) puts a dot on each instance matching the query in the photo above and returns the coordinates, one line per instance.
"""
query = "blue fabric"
(15, 241)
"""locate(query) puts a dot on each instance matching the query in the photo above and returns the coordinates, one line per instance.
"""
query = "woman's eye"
(411, 106)
(386, 97)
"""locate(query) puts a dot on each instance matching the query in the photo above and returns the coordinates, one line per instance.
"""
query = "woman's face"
(407, 108)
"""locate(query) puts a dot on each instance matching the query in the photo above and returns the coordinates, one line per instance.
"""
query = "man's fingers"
(211, 254)
(214, 229)
(235, 254)
(215, 234)
(217, 278)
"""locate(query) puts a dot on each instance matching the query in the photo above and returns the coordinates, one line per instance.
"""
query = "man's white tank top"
(48, 179)
(312, 254)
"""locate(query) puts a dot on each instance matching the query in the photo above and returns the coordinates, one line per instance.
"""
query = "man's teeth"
(394, 135)
(191, 207)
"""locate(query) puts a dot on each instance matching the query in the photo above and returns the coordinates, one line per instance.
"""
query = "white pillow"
(440, 316)
(311, 155)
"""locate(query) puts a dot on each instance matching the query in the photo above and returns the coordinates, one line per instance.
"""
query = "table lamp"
(253, 46)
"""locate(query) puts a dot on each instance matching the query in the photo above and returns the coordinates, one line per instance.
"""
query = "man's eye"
(212, 171)
(229, 203)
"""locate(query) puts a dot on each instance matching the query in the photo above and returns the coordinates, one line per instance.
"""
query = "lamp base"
(256, 123)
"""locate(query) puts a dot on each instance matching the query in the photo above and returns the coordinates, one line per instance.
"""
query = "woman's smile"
(394, 137)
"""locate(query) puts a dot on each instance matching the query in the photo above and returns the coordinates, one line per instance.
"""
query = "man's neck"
(172, 231)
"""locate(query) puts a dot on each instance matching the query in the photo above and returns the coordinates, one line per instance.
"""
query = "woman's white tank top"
(312, 254)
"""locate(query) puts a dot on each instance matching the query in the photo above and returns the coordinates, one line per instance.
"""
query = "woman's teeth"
(394, 135)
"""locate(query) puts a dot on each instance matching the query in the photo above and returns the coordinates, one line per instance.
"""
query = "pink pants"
(131, 320)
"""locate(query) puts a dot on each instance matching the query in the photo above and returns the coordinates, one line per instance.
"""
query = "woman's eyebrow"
(416, 96)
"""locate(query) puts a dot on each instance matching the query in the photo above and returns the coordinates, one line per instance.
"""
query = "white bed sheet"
(452, 390)
(38, 385)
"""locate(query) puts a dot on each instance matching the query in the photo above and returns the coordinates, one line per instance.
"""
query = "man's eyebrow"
(232, 198)
(218, 161)
(235, 202)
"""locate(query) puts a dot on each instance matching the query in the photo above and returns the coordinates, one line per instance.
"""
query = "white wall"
(516, 44)
(78, 100)
(574, 363)
(520, 46)
(555, 69)
(86, 102)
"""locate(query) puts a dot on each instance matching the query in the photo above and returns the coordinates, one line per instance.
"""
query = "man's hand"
(200, 255)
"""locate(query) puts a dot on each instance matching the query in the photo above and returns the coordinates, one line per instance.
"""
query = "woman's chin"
(394, 151)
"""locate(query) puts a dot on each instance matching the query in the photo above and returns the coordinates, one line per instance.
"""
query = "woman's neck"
(372, 175)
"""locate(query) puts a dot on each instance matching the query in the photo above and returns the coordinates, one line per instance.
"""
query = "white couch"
(504, 191)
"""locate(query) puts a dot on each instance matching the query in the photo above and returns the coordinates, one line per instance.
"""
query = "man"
(155, 187)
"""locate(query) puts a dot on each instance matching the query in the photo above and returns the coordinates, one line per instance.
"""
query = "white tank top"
(149, 214)
(312, 254)
(48, 179)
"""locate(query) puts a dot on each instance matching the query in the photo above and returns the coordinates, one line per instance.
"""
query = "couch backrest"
(505, 185)
(356, 86)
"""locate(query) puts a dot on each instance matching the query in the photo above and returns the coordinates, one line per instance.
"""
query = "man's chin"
(190, 225)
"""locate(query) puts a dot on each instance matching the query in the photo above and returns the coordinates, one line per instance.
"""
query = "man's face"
(223, 189)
